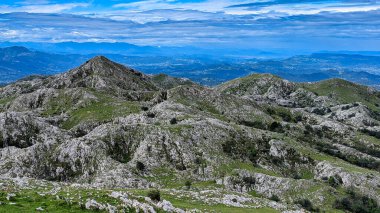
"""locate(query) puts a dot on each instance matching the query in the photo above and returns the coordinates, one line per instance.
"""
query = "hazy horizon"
(247, 27)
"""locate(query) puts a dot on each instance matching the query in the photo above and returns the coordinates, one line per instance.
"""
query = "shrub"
(335, 181)
(188, 184)
(276, 127)
(255, 124)
(249, 180)
(297, 176)
(144, 108)
(151, 115)
(154, 194)
(298, 118)
(306, 204)
(253, 155)
(198, 161)
(228, 147)
(356, 203)
(275, 198)
(286, 115)
(140, 166)
(173, 121)
(371, 133)
(271, 111)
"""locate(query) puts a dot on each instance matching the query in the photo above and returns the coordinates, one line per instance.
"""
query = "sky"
(268, 25)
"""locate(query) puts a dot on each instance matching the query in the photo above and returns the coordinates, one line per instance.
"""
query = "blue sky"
(313, 25)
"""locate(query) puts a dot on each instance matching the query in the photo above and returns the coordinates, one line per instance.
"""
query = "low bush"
(306, 204)
(140, 166)
(335, 181)
(275, 198)
(173, 121)
(188, 184)
(154, 194)
(356, 203)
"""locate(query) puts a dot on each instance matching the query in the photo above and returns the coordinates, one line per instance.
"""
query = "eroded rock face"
(367, 183)
(23, 130)
(269, 88)
(356, 114)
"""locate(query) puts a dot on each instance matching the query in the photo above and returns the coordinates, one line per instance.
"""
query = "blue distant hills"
(18, 62)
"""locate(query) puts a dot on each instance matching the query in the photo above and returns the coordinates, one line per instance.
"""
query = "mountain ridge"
(252, 141)
(201, 69)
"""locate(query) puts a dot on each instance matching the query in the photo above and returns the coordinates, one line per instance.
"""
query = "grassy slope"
(72, 200)
(345, 92)
(104, 108)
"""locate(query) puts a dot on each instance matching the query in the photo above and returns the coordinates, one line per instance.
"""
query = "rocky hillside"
(100, 137)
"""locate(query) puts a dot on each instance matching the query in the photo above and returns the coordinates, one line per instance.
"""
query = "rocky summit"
(105, 137)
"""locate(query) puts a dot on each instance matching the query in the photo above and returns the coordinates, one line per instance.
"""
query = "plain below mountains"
(19, 62)
(105, 137)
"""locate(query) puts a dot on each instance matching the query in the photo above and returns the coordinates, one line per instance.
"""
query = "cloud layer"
(261, 24)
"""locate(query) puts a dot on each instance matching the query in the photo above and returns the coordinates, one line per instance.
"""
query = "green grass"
(59, 104)
(105, 107)
(187, 203)
(101, 111)
(179, 128)
(319, 156)
(227, 169)
(367, 138)
(166, 177)
(6, 100)
(247, 82)
(28, 200)
(345, 92)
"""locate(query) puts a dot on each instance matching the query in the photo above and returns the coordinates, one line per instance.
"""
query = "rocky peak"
(102, 73)
(101, 65)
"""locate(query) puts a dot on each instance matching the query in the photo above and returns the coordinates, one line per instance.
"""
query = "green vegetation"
(283, 114)
(305, 203)
(6, 100)
(166, 177)
(168, 82)
(247, 82)
(275, 198)
(140, 166)
(188, 184)
(189, 203)
(357, 203)
(335, 181)
(227, 169)
(345, 92)
(29, 200)
(154, 194)
(103, 108)
(99, 112)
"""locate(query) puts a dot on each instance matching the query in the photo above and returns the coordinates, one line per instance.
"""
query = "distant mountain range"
(18, 62)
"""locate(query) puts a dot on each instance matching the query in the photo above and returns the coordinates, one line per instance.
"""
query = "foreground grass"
(73, 200)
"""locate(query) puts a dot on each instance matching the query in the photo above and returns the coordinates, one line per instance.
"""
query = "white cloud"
(9, 33)
(206, 6)
(42, 8)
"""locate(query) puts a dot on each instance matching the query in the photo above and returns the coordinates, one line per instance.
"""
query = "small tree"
(173, 121)
(140, 166)
(188, 184)
(275, 198)
(154, 194)
(306, 204)
(335, 181)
